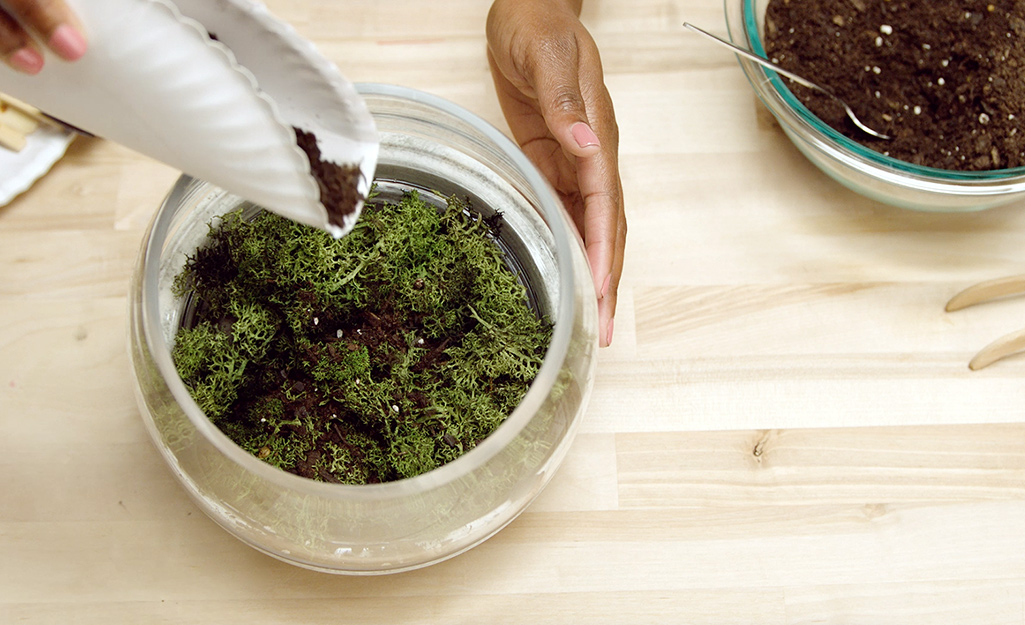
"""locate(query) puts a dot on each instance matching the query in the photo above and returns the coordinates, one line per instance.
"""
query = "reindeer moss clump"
(371, 358)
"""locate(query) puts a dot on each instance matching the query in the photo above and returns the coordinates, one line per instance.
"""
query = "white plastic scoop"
(220, 109)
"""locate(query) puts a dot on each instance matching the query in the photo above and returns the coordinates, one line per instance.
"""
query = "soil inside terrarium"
(371, 358)
(942, 78)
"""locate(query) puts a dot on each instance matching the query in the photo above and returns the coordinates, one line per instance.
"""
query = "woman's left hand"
(550, 84)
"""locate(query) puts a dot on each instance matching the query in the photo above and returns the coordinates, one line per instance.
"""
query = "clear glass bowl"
(859, 168)
(430, 144)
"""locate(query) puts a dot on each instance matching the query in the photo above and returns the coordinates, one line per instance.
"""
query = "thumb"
(557, 86)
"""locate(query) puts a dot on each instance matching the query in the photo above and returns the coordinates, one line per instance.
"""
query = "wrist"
(570, 6)
(575, 6)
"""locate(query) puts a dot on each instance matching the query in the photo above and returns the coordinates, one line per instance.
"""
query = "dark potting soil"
(943, 78)
(339, 192)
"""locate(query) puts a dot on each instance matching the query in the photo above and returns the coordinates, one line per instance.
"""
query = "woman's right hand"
(51, 21)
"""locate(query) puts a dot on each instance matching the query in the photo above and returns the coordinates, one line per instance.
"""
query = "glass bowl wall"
(426, 143)
(861, 169)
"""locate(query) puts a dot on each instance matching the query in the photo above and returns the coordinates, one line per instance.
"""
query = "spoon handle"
(757, 59)
(795, 77)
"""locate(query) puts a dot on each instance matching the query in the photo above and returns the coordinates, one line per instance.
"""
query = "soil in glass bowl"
(942, 78)
(367, 359)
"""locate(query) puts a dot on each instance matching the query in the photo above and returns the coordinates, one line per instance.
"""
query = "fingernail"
(605, 286)
(608, 332)
(27, 60)
(67, 42)
(583, 135)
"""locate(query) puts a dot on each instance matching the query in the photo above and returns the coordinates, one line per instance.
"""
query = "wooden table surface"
(784, 430)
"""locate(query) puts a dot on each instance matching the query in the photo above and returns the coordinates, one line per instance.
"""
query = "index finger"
(54, 22)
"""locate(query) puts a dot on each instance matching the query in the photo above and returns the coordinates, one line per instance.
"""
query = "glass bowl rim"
(830, 140)
(554, 217)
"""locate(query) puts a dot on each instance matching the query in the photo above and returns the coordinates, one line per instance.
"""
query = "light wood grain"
(785, 429)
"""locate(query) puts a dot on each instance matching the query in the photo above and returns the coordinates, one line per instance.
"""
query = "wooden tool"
(984, 292)
(17, 121)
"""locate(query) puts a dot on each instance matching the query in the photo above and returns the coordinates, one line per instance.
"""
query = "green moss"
(375, 357)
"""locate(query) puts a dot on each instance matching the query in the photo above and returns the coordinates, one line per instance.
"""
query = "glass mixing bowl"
(859, 168)
(426, 143)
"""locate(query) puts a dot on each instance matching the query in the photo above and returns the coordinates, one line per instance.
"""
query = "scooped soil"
(338, 183)
(943, 78)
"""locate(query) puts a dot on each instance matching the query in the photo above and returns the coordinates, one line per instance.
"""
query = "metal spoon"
(798, 79)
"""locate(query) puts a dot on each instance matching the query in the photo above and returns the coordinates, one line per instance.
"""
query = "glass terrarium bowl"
(431, 145)
(859, 168)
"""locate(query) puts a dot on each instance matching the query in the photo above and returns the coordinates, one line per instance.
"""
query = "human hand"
(550, 84)
(50, 20)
